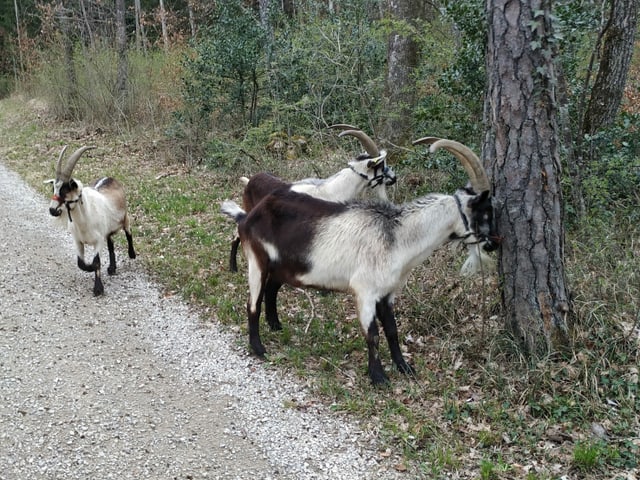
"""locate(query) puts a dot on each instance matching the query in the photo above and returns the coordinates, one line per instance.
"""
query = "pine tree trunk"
(521, 145)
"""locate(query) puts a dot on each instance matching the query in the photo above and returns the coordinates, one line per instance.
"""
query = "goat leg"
(132, 252)
(384, 311)
(98, 288)
(233, 262)
(375, 370)
(270, 304)
(254, 328)
(111, 270)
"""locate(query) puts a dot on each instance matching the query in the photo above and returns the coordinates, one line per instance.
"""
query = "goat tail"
(232, 210)
(244, 181)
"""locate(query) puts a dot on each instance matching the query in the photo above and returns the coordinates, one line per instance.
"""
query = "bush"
(305, 72)
(613, 174)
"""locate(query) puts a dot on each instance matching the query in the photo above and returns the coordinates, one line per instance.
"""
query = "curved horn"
(65, 175)
(468, 159)
(344, 125)
(368, 144)
(59, 164)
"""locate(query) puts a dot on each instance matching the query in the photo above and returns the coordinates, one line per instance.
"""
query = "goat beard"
(478, 261)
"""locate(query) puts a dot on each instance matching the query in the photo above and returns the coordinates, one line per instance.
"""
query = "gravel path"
(133, 385)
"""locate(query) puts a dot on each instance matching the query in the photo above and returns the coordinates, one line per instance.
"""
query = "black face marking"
(65, 188)
(482, 222)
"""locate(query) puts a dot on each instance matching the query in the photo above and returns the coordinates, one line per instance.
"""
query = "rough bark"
(521, 148)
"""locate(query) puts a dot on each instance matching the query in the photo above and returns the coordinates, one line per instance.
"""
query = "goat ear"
(485, 195)
(377, 160)
(480, 198)
(51, 180)
(73, 184)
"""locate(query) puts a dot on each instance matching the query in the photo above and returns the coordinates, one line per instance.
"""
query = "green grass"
(476, 408)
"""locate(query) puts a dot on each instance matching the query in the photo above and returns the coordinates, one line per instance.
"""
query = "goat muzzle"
(56, 212)
(492, 242)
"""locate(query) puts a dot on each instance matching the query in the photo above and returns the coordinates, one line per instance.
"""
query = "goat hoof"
(98, 291)
(379, 379)
(259, 351)
(111, 270)
(275, 326)
(406, 369)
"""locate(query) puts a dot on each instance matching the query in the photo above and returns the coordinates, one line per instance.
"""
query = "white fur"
(344, 185)
(93, 218)
(351, 252)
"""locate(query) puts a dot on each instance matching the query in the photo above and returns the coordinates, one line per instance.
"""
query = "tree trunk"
(141, 41)
(19, 36)
(289, 8)
(87, 25)
(617, 50)
(522, 147)
(163, 23)
(121, 47)
(192, 19)
(402, 59)
(71, 90)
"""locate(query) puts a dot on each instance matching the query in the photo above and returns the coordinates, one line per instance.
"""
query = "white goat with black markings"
(367, 248)
(368, 169)
(93, 214)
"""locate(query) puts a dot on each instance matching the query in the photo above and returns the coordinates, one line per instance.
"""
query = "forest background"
(183, 97)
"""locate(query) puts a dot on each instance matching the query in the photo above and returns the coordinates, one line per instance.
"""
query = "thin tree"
(71, 90)
(402, 59)
(521, 148)
(163, 24)
(141, 40)
(599, 105)
(121, 47)
(192, 19)
(87, 24)
(615, 58)
(19, 35)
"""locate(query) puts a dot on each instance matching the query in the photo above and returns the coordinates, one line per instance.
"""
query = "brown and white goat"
(92, 214)
(368, 169)
(366, 248)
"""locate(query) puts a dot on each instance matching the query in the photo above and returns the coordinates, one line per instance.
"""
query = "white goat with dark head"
(368, 169)
(367, 248)
(93, 214)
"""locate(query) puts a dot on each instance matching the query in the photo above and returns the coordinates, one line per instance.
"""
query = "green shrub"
(613, 174)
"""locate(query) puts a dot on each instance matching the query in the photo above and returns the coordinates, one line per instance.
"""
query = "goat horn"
(344, 126)
(65, 175)
(468, 159)
(368, 144)
(59, 164)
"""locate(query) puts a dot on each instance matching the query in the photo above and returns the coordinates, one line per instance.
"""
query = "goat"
(368, 169)
(93, 214)
(368, 248)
